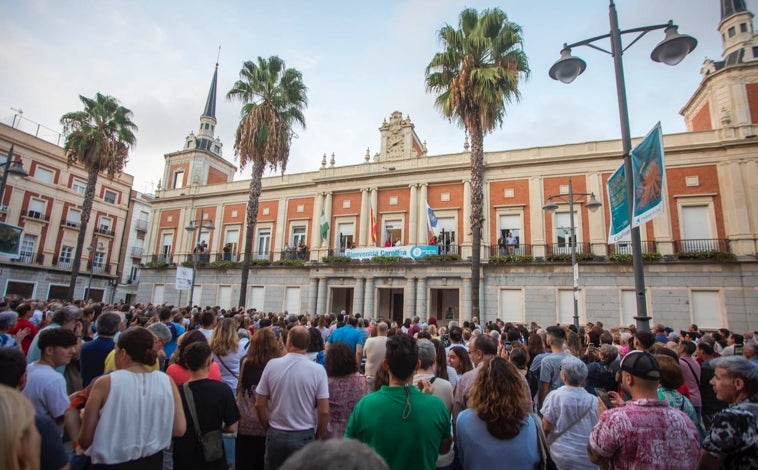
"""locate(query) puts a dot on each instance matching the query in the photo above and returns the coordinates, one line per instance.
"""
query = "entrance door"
(342, 299)
(390, 304)
(397, 305)
(444, 304)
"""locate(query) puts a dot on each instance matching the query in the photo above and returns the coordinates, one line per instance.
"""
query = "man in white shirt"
(375, 349)
(292, 400)
(207, 322)
(45, 387)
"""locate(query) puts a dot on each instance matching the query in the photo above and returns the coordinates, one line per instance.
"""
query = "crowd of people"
(86, 385)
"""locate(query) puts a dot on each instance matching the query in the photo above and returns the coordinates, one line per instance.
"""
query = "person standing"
(93, 353)
(45, 387)
(419, 422)
(481, 350)
(214, 407)
(732, 441)
(292, 400)
(691, 372)
(351, 335)
(644, 432)
(550, 367)
(375, 349)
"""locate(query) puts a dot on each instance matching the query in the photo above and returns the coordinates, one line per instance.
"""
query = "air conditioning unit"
(4, 208)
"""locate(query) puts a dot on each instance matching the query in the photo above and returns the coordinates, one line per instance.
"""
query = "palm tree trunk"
(89, 196)
(477, 216)
(252, 219)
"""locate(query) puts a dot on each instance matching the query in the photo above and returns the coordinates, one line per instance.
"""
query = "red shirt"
(180, 375)
(20, 325)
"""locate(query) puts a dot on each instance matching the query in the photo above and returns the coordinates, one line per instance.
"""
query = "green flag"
(324, 226)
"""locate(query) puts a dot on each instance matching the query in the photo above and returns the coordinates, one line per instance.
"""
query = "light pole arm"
(643, 30)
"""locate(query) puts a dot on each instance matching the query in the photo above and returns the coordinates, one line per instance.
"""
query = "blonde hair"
(225, 339)
(16, 418)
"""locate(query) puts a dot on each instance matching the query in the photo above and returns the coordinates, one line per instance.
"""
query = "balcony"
(296, 254)
(137, 251)
(105, 230)
(34, 215)
(71, 224)
(159, 260)
(62, 262)
(565, 248)
(95, 267)
(31, 258)
(140, 225)
(700, 245)
(515, 250)
(625, 248)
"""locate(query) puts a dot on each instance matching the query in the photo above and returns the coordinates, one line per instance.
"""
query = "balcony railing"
(103, 230)
(31, 258)
(141, 225)
(62, 263)
(516, 250)
(295, 254)
(158, 259)
(701, 245)
(226, 257)
(565, 248)
(36, 215)
(625, 248)
(71, 224)
(98, 267)
(137, 251)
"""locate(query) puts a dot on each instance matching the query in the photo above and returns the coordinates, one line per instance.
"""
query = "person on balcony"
(227, 252)
(301, 248)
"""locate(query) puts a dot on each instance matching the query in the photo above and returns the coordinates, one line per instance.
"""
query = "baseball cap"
(641, 364)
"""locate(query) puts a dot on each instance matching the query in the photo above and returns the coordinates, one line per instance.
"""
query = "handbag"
(211, 443)
(546, 460)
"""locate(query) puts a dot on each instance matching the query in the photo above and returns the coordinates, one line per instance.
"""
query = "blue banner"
(404, 251)
(649, 177)
(619, 208)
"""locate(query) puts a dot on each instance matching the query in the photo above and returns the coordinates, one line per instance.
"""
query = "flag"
(649, 175)
(373, 227)
(431, 219)
(324, 226)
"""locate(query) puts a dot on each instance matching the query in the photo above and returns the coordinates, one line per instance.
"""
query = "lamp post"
(197, 225)
(592, 205)
(99, 247)
(13, 167)
(672, 50)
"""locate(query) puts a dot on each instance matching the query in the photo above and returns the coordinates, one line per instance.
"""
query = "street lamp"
(99, 247)
(592, 205)
(13, 167)
(672, 50)
(198, 225)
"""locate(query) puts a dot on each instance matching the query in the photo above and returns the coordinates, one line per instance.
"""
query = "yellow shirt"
(110, 363)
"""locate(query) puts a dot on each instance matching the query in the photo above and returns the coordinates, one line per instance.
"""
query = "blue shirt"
(92, 358)
(478, 449)
(347, 334)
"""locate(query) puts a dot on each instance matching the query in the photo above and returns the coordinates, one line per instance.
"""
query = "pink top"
(180, 375)
(646, 434)
(691, 373)
(344, 393)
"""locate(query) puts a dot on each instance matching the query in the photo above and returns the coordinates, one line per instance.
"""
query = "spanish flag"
(373, 227)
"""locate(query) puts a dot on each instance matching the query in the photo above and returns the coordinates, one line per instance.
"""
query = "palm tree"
(99, 138)
(273, 99)
(474, 77)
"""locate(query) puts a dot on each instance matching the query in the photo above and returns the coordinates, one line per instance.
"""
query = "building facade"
(700, 254)
(46, 205)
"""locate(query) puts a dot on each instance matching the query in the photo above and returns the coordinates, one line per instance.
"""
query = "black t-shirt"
(215, 404)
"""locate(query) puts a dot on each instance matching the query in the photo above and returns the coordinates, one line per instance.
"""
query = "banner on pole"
(619, 208)
(649, 177)
(10, 240)
(183, 278)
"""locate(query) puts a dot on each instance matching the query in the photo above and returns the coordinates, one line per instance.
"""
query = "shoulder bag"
(212, 442)
(546, 460)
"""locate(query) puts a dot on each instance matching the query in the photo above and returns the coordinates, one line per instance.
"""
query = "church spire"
(731, 7)
(210, 103)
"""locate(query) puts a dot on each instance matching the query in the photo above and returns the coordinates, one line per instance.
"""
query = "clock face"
(395, 144)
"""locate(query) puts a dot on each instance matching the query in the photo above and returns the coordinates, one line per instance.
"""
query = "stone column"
(465, 237)
(740, 216)
(316, 228)
(358, 295)
(322, 296)
(368, 302)
(536, 218)
(465, 313)
(423, 226)
(313, 296)
(280, 238)
(409, 297)
(598, 232)
(421, 309)
(365, 220)
(413, 218)
(328, 213)
(485, 251)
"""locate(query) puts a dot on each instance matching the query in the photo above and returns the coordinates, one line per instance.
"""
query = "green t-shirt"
(412, 443)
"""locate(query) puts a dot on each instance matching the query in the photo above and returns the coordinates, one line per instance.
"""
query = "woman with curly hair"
(250, 446)
(496, 423)
(225, 345)
(346, 386)
(178, 370)
(459, 359)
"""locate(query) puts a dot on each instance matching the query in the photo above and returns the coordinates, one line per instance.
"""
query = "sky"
(361, 60)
